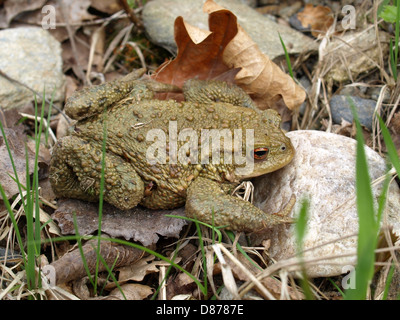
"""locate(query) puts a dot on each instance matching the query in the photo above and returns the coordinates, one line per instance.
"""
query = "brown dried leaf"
(70, 266)
(181, 284)
(132, 291)
(139, 224)
(318, 19)
(138, 270)
(46, 191)
(199, 52)
(259, 76)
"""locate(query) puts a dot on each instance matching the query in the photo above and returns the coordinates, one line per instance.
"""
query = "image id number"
(222, 309)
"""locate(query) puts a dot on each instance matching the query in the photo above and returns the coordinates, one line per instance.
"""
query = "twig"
(124, 35)
(139, 53)
(132, 15)
(118, 15)
(32, 117)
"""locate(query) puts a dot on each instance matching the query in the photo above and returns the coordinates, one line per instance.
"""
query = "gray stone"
(322, 170)
(159, 17)
(340, 108)
(31, 56)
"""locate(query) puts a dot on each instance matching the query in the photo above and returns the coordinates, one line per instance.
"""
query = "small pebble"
(341, 109)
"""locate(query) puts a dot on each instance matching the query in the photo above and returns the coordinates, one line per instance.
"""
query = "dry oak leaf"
(199, 51)
(138, 270)
(132, 291)
(318, 19)
(220, 53)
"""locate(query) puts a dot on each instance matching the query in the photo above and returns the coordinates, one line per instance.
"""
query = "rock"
(33, 57)
(353, 54)
(159, 17)
(340, 108)
(323, 170)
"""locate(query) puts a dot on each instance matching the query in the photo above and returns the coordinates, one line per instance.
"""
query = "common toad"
(157, 153)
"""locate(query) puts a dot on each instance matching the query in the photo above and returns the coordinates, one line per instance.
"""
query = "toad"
(164, 154)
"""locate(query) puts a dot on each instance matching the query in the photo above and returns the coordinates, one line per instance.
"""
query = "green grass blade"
(154, 296)
(203, 254)
(392, 60)
(391, 149)
(215, 228)
(31, 246)
(337, 288)
(300, 231)
(134, 245)
(156, 254)
(101, 195)
(289, 64)
(368, 225)
(14, 223)
(301, 224)
(78, 239)
(35, 187)
(388, 281)
(241, 250)
(110, 275)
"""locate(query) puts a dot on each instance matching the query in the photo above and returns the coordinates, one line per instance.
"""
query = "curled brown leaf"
(318, 19)
(259, 76)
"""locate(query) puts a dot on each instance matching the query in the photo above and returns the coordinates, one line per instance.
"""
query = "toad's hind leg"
(209, 91)
(75, 172)
(207, 202)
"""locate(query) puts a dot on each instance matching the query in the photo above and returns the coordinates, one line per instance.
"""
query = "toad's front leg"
(95, 99)
(75, 172)
(207, 202)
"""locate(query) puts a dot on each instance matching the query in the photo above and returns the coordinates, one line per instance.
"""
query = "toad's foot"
(208, 203)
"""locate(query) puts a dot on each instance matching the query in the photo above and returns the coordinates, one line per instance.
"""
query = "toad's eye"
(260, 153)
(283, 147)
